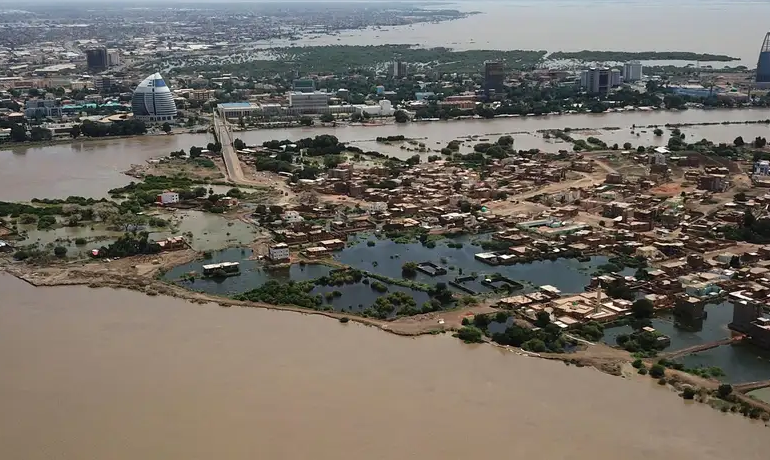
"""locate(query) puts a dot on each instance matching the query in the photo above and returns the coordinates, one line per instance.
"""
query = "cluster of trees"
(400, 303)
(341, 277)
(751, 229)
(130, 244)
(118, 128)
(321, 145)
(277, 293)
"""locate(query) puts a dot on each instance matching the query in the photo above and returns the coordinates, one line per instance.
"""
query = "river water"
(90, 168)
(115, 374)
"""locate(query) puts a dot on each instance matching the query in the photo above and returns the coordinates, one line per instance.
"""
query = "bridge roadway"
(232, 163)
(698, 348)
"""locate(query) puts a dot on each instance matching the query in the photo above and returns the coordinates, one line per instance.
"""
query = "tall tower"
(763, 64)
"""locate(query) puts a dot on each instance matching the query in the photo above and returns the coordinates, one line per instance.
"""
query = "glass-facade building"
(763, 64)
(152, 101)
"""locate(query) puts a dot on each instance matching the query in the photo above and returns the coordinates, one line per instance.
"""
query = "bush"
(26, 219)
(470, 334)
(688, 393)
(662, 381)
(45, 222)
(642, 371)
(370, 243)
(344, 319)
(657, 371)
(60, 251)
(724, 390)
(80, 241)
(638, 364)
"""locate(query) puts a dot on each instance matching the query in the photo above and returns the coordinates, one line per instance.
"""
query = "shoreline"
(602, 357)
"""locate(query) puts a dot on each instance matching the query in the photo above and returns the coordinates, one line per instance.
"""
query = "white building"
(168, 198)
(113, 58)
(279, 252)
(315, 102)
(383, 109)
(632, 71)
(291, 217)
(762, 168)
(399, 69)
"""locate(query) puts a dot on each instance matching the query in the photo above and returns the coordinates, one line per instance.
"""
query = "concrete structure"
(763, 64)
(749, 319)
(383, 109)
(315, 102)
(41, 108)
(400, 69)
(97, 59)
(167, 198)
(279, 252)
(597, 80)
(616, 78)
(103, 83)
(152, 101)
(113, 58)
(494, 76)
(762, 168)
(236, 110)
(632, 71)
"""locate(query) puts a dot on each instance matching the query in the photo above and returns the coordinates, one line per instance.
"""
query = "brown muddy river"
(107, 374)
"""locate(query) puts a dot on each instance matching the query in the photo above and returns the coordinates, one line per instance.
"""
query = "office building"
(494, 76)
(763, 64)
(238, 110)
(103, 84)
(303, 86)
(41, 108)
(97, 59)
(632, 71)
(113, 58)
(399, 69)
(152, 100)
(616, 78)
(315, 102)
(599, 80)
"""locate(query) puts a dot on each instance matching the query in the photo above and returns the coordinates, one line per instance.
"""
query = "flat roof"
(235, 105)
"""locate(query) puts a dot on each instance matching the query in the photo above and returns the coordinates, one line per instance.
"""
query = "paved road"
(232, 163)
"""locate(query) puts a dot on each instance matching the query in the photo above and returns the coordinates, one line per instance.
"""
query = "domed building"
(152, 101)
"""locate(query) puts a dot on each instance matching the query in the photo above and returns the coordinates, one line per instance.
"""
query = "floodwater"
(704, 26)
(90, 168)
(115, 374)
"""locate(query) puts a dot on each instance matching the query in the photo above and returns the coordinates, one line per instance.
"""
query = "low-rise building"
(167, 198)
(279, 252)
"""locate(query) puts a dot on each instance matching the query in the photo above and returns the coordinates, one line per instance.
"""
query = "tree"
(658, 132)
(413, 160)
(735, 262)
(18, 133)
(724, 390)
(738, 142)
(75, 131)
(239, 144)
(657, 371)
(640, 149)
(306, 121)
(409, 270)
(166, 128)
(542, 319)
(60, 251)
(642, 308)
(505, 141)
(748, 219)
(234, 193)
(195, 152)
(470, 334)
(760, 142)
(327, 118)
(401, 116)
(740, 196)
(688, 393)
(627, 146)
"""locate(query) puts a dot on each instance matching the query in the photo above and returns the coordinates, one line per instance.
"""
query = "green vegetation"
(386, 306)
(130, 244)
(657, 371)
(409, 270)
(641, 343)
(277, 293)
(333, 59)
(688, 393)
(624, 56)
(470, 334)
(60, 252)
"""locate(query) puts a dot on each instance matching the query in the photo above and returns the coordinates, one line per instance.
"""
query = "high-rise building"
(599, 80)
(494, 76)
(400, 69)
(632, 71)
(102, 83)
(153, 101)
(315, 102)
(97, 58)
(763, 64)
(113, 58)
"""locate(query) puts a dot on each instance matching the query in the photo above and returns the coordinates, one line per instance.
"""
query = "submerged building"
(152, 101)
(763, 64)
